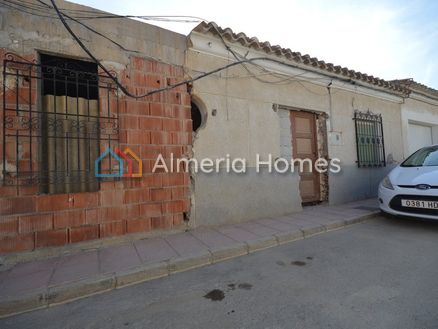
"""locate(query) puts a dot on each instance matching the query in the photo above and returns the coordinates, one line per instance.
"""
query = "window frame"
(23, 121)
(370, 142)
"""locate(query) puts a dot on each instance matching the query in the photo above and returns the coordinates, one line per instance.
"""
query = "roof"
(342, 72)
(412, 85)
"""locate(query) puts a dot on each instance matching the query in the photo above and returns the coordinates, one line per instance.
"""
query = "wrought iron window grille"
(370, 145)
(58, 116)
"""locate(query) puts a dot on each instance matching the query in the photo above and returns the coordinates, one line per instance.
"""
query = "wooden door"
(304, 144)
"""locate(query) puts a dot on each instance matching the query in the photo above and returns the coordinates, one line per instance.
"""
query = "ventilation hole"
(196, 117)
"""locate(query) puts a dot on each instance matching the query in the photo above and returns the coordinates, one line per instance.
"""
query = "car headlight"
(386, 182)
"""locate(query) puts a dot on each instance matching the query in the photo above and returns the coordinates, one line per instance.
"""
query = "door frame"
(296, 113)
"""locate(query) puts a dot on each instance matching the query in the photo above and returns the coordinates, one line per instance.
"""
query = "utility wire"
(91, 29)
(170, 87)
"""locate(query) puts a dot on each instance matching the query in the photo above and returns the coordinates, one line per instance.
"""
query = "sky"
(387, 39)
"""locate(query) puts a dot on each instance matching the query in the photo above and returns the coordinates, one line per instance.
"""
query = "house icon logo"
(126, 160)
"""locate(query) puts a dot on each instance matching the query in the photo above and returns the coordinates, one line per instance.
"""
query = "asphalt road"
(379, 274)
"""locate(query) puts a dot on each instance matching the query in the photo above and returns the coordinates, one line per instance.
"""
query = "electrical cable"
(170, 87)
(91, 29)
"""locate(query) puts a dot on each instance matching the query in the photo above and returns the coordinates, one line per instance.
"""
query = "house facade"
(60, 112)
(291, 105)
(78, 154)
(419, 116)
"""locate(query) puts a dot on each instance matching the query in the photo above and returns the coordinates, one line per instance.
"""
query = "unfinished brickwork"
(158, 124)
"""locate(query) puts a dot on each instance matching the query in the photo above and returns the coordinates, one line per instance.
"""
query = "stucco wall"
(246, 124)
(418, 110)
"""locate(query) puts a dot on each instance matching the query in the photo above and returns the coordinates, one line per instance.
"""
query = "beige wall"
(246, 124)
(418, 110)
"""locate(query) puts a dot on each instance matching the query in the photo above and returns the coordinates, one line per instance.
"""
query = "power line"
(90, 28)
(170, 87)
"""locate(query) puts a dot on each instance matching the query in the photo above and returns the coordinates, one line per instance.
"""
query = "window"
(425, 157)
(369, 139)
(59, 116)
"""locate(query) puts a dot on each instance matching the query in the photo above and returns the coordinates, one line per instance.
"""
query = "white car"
(411, 189)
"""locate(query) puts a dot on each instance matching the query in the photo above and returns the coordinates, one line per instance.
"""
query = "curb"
(72, 291)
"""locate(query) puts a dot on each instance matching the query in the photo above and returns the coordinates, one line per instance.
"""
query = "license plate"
(419, 204)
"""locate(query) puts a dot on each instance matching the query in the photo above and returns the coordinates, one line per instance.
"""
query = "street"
(378, 274)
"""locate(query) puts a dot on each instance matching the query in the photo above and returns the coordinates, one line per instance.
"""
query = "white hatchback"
(411, 189)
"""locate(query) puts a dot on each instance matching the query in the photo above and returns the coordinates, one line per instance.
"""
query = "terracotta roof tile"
(411, 84)
(254, 43)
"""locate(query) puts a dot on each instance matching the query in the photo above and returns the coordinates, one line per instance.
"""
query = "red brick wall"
(157, 124)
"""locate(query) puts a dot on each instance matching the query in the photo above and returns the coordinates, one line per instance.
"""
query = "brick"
(8, 225)
(173, 207)
(52, 202)
(151, 180)
(186, 205)
(28, 190)
(140, 78)
(173, 97)
(150, 210)
(187, 126)
(84, 233)
(105, 186)
(178, 219)
(131, 183)
(17, 205)
(51, 238)
(132, 211)
(138, 137)
(6, 191)
(139, 63)
(92, 216)
(175, 151)
(70, 218)
(112, 214)
(111, 198)
(174, 179)
(164, 68)
(84, 200)
(128, 122)
(152, 81)
(161, 222)
(161, 194)
(172, 125)
(156, 109)
(138, 225)
(180, 193)
(137, 195)
(112, 229)
(169, 111)
(149, 151)
(149, 123)
(186, 99)
(160, 137)
(180, 138)
(17, 243)
(137, 107)
(35, 223)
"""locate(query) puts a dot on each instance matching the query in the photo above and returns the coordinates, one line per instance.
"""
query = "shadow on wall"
(354, 183)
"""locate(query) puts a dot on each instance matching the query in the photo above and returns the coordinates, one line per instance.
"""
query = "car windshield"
(426, 157)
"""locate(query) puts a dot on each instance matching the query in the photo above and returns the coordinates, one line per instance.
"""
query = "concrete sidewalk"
(43, 283)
